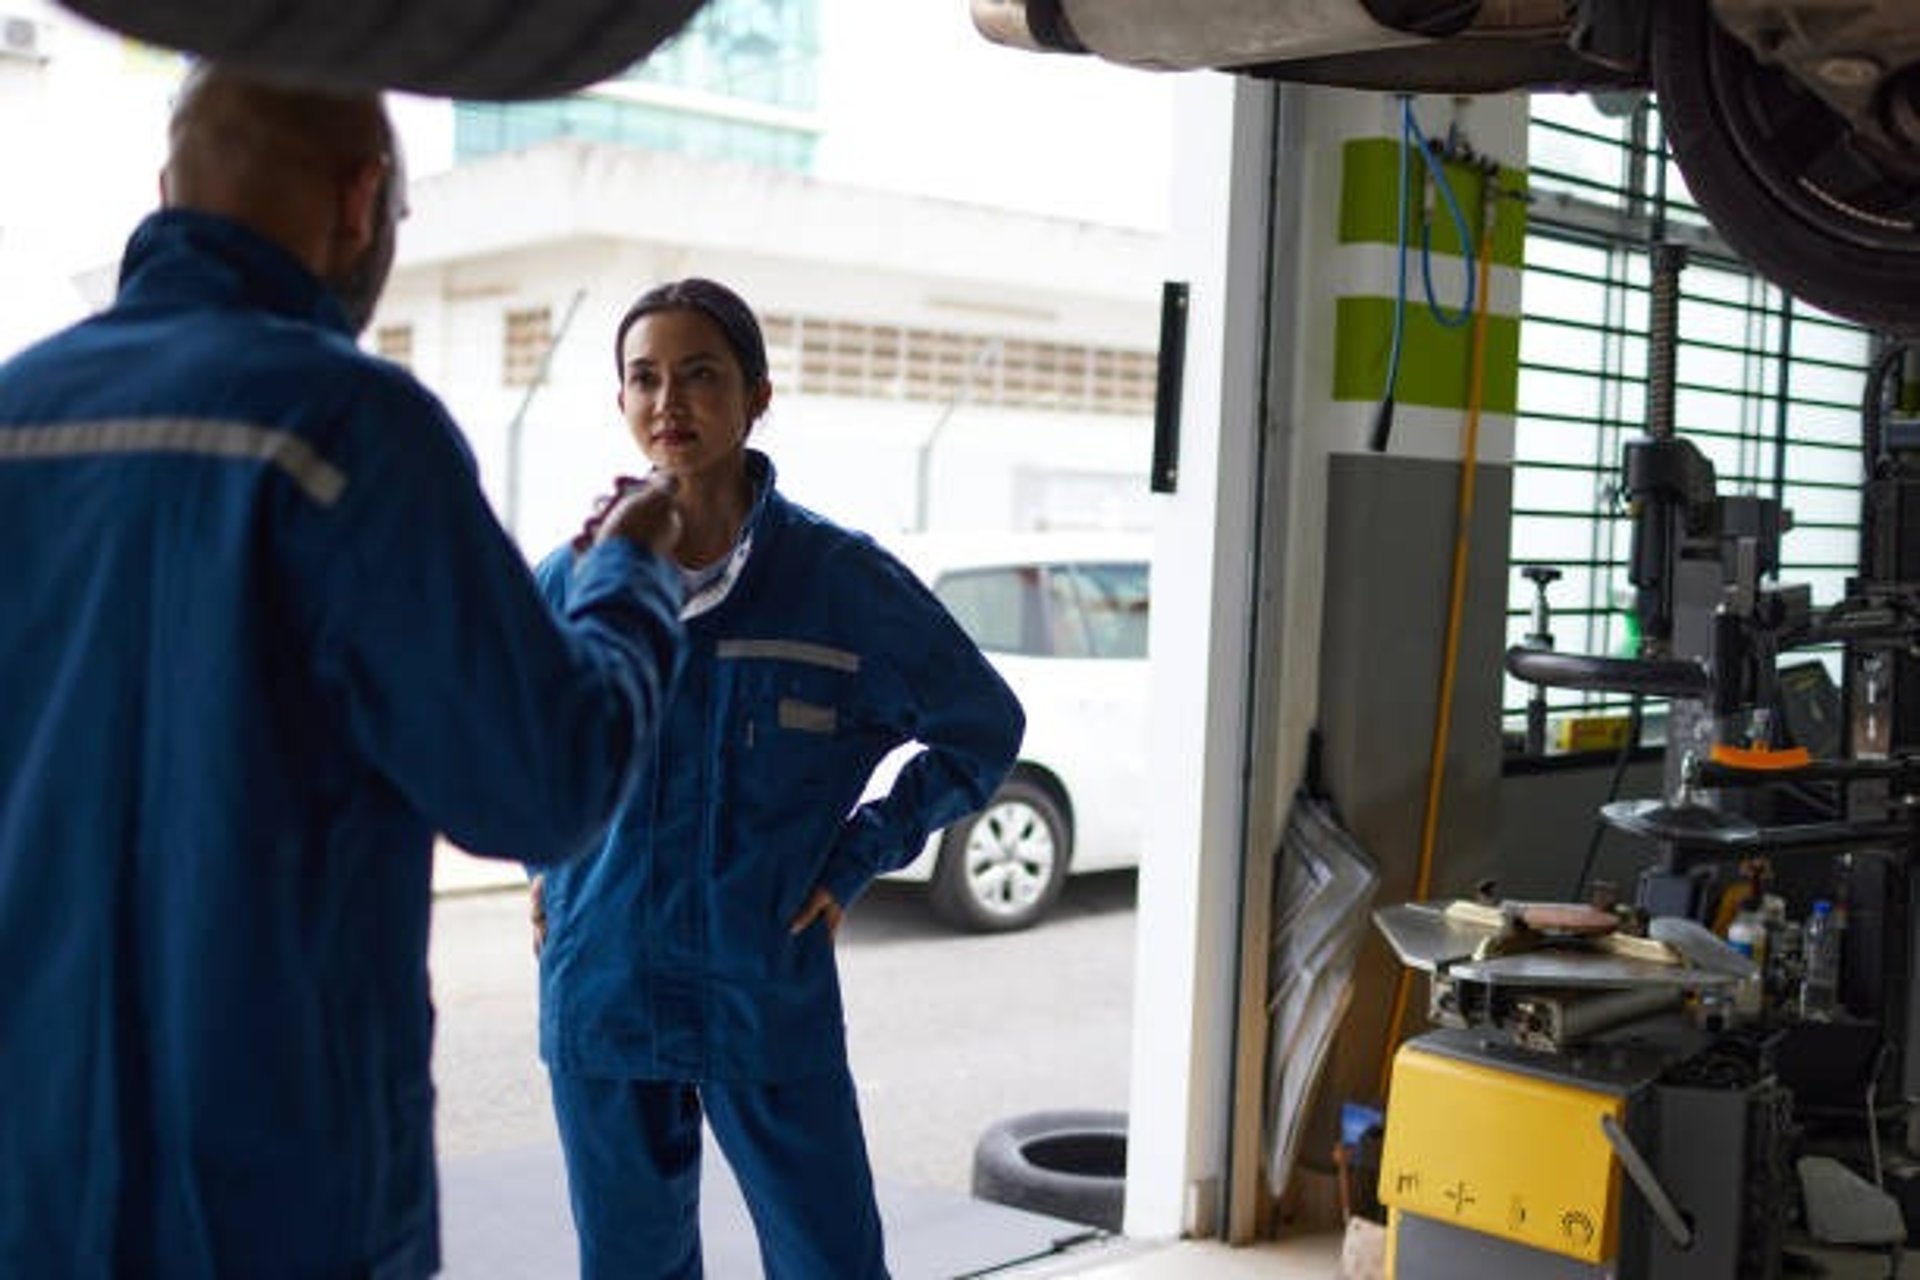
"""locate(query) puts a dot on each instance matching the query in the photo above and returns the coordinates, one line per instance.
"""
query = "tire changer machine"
(1611, 1090)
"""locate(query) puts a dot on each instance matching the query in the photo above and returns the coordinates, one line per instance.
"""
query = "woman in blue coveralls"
(687, 968)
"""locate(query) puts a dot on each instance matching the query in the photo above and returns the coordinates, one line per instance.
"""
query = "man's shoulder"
(212, 362)
(392, 383)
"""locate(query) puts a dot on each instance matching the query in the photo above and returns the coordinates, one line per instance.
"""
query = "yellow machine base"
(1501, 1152)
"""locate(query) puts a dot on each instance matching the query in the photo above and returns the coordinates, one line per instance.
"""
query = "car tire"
(1773, 169)
(1065, 1164)
(478, 49)
(1002, 868)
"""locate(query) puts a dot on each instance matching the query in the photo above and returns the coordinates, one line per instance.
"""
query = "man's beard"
(359, 286)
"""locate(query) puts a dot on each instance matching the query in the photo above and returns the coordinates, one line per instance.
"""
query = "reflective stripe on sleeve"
(319, 479)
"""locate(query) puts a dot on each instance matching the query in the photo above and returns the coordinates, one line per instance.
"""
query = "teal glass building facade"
(740, 83)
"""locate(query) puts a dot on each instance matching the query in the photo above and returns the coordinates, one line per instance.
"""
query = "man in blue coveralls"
(261, 638)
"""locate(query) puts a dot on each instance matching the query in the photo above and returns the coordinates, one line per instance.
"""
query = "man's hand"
(820, 906)
(641, 510)
(537, 895)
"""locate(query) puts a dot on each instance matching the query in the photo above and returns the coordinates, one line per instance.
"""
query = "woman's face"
(684, 395)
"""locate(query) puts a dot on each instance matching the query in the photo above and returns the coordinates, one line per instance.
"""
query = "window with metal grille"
(823, 357)
(527, 334)
(1767, 387)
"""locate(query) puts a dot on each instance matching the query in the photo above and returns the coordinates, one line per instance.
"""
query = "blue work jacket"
(261, 637)
(668, 954)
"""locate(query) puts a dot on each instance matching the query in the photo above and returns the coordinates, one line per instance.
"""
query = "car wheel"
(483, 49)
(1065, 1164)
(1826, 214)
(1003, 867)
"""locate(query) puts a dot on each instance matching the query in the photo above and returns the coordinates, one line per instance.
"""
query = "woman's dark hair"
(714, 301)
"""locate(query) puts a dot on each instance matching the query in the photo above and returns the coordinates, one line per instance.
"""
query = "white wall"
(1188, 928)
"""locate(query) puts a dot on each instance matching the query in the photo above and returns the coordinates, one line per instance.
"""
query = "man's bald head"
(314, 170)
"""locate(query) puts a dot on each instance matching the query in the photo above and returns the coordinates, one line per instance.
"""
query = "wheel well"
(1045, 779)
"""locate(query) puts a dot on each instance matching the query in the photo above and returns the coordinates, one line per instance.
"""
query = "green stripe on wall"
(1433, 358)
(1370, 199)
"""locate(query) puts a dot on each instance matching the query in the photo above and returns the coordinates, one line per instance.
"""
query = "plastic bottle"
(1747, 934)
(1820, 979)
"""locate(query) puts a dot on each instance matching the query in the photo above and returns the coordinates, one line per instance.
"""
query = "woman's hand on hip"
(820, 906)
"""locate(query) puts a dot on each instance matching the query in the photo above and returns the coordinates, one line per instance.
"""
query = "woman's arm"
(933, 682)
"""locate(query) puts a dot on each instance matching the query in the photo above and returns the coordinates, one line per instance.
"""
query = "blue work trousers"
(633, 1174)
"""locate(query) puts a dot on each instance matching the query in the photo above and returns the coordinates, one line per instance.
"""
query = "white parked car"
(1063, 616)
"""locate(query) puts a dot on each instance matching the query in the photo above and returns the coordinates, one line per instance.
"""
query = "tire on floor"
(1065, 1164)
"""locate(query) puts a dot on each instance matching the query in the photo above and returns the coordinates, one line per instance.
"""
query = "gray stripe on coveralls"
(818, 655)
(319, 479)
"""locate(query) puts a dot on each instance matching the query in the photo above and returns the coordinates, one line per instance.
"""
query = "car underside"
(1795, 122)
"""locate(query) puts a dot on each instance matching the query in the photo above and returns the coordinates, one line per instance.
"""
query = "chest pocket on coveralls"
(792, 711)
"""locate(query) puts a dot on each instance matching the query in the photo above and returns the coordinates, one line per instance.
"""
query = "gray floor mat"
(503, 1216)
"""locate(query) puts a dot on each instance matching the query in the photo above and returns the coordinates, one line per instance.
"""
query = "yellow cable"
(1456, 607)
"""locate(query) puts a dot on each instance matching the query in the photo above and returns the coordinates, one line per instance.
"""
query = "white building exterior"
(899, 326)
(1007, 294)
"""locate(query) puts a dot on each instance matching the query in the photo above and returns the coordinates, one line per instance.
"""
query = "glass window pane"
(1111, 601)
(998, 608)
